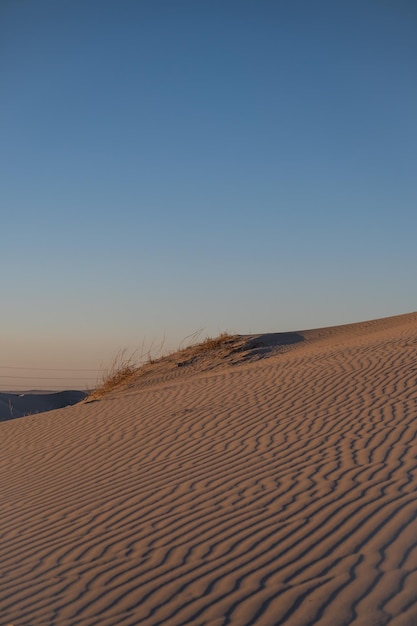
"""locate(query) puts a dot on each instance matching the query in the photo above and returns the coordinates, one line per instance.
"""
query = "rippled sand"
(274, 487)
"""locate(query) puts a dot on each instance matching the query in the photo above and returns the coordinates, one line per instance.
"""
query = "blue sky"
(169, 166)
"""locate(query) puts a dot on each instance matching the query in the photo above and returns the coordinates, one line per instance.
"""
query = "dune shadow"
(272, 340)
(261, 345)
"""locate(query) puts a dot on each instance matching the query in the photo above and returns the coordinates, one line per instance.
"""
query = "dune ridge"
(244, 491)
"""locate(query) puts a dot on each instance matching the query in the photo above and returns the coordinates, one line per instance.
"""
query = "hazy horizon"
(226, 166)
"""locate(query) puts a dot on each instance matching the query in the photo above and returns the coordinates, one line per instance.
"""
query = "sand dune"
(272, 484)
(14, 405)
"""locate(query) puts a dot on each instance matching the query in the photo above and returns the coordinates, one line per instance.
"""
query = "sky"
(174, 166)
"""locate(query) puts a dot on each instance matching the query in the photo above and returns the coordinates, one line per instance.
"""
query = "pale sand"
(278, 490)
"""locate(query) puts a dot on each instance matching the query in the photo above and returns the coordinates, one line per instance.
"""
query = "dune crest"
(273, 484)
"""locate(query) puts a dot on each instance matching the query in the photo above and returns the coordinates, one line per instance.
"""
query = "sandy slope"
(279, 490)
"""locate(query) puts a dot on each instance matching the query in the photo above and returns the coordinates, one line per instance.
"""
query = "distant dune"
(270, 481)
(20, 404)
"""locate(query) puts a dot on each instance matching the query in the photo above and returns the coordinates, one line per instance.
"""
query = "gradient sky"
(169, 166)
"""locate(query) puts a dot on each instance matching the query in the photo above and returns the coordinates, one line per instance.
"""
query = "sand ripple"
(278, 491)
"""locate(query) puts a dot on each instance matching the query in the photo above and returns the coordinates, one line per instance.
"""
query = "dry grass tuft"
(126, 369)
(120, 373)
(212, 343)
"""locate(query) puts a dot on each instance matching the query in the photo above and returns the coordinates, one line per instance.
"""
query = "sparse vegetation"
(125, 369)
(211, 343)
(120, 373)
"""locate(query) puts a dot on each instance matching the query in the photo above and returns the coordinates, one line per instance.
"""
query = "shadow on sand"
(262, 345)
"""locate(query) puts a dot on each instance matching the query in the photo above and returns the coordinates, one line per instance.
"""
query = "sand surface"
(276, 484)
